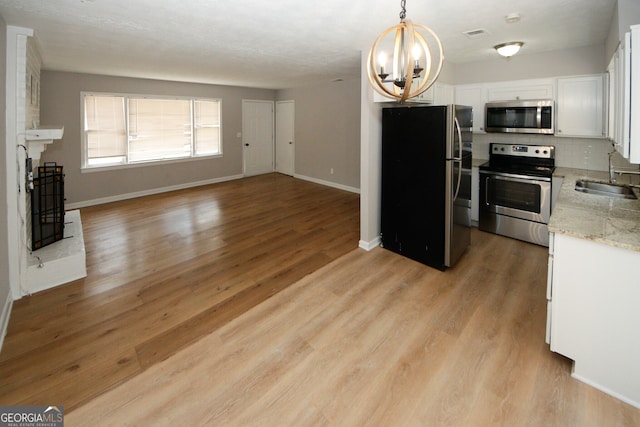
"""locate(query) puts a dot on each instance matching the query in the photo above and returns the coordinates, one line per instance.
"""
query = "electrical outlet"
(331, 170)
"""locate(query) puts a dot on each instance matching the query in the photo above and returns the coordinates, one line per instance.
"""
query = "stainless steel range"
(515, 191)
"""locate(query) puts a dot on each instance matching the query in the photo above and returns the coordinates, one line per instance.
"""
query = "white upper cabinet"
(612, 78)
(634, 94)
(427, 96)
(626, 102)
(439, 93)
(443, 94)
(580, 106)
(473, 96)
(520, 90)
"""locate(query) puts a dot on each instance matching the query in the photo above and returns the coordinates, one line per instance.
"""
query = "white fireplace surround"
(62, 261)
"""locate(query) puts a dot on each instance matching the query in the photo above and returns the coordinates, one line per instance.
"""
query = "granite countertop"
(477, 162)
(602, 219)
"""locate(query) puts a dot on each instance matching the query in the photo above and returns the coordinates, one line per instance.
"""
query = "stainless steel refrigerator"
(426, 182)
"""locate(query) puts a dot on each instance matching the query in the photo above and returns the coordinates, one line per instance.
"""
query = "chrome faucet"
(613, 172)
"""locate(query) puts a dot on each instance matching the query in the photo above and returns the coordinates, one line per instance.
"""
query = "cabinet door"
(474, 96)
(520, 90)
(594, 313)
(580, 107)
(634, 120)
(426, 96)
(621, 106)
(612, 70)
(443, 94)
(549, 288)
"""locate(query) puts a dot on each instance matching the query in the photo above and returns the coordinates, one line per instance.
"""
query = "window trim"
(84, 167)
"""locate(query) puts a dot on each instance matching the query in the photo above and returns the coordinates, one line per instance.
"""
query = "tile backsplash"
(580, 153)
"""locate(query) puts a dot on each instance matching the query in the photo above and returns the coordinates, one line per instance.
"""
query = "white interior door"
(285, 132)
(257, 137)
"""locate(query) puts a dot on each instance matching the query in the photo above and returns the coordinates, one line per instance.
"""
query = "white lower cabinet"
(549, 287)
(594, 313)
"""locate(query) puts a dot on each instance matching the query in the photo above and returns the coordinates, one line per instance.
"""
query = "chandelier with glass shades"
(406, 79)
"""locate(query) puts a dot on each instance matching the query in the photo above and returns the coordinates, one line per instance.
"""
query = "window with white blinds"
(129, 129)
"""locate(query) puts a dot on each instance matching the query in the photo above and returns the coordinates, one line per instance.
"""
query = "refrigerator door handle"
(459, 132)
(459, 158)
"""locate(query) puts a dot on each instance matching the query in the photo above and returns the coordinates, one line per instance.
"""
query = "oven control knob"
(537, 151)
(545, 151)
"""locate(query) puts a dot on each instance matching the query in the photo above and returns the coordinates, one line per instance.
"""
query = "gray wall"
(5, 287)
(628, 14)
(327, 131)
(625, 14)
(60, 105)
(584, 60)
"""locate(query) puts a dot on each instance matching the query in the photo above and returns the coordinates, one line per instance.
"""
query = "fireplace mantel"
(38, 139)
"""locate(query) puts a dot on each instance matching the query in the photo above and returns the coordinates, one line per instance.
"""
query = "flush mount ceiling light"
(512, 18)
(410, 41)
(508, 49)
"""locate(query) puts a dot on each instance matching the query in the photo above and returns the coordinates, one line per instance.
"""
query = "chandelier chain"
(403, 12)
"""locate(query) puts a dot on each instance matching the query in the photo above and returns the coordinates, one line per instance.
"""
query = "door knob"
(246, 145)
(290, 142)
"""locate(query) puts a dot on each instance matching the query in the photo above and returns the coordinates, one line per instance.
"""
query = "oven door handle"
(486, 190)
(516, 177)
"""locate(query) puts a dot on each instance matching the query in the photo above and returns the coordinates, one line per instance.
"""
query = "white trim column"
(15, 126)
(370, 162)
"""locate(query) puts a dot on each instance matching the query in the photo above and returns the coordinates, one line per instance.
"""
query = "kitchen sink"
(604, 189)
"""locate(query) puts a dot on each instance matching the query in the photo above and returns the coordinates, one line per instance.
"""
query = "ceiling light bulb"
(416, 52)
(382, 59)
(508, 49)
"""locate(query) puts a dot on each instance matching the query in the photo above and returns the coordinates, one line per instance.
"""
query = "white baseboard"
(150, 192)
(328, 183)
(4, 318)
(625, 399)
(370, 245)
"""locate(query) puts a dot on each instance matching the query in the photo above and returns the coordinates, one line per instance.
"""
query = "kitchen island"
(593, 288)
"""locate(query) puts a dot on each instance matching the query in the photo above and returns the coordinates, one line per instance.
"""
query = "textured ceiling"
(282, 43)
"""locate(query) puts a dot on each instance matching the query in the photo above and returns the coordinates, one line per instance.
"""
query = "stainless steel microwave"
(530, 116)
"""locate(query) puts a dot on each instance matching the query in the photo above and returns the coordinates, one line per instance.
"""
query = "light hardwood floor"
(248, 303)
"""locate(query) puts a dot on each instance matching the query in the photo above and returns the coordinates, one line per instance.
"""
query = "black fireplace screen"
(47, 206)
